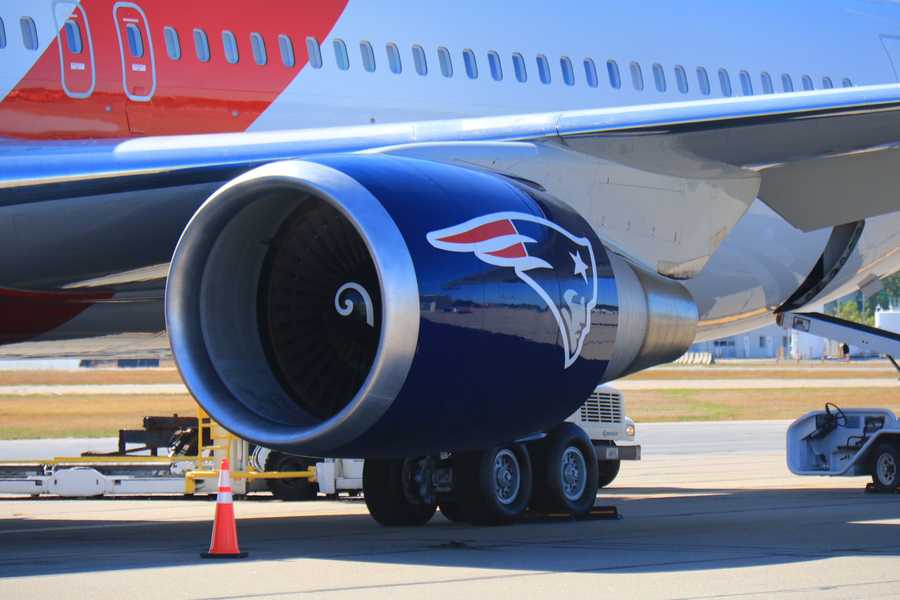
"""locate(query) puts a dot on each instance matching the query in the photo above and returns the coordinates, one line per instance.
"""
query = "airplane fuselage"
(105, 69)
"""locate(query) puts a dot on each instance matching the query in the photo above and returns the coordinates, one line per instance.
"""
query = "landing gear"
(493, 486)
(392, 488)
(558, 474)
(566, 472)
(885, 463)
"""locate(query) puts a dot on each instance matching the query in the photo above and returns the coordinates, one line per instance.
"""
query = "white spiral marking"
(346, 308)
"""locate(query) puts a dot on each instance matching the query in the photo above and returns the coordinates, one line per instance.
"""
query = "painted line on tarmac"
(155, 389)
(752, 384)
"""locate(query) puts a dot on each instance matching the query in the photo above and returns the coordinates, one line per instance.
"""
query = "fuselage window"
(615, 78)
(543, 69)
(29, 33)
(568, 72)
(681, 79)
(470, 63)
(286, 48)
(725, 82)
(73, 37)
(768, 88)
(419, 60)
(173, 43)
(703, 81)
(590, 73)
(312, 49)
(393, 54)
(368, 56)
(637, 76)
(258, 46)
(229, 44)
(847, 83)
(787, 83)
(746, 84)
(2, 34)
(496, 67)
(135, 40)
(519, 67)
(807, 83)
(445, 61)
(201, 45)
(659, 77)
(340, 55)
(827, 83)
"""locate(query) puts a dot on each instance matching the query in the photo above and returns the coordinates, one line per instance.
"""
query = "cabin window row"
(567, 70)
(259, 53)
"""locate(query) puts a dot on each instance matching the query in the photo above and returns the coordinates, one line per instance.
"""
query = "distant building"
(888, 319)
(761, 343)
(774, 342)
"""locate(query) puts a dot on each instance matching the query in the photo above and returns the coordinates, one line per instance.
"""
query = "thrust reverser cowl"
(377, 305)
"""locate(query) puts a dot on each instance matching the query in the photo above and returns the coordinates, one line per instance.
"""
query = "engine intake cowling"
(372, 305)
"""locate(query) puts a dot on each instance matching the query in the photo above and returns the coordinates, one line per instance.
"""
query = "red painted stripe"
(514, 251)
(190, 96)
(481, 233)
(25, 314)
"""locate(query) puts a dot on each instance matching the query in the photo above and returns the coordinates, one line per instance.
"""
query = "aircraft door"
(76, 50)
(136, 50)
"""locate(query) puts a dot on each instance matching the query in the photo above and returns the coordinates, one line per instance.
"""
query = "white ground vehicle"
(847, 443)
(851, 442)
(192, 467)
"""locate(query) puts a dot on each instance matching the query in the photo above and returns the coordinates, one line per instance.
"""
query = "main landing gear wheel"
(389, 488)
(494, 485)
(290, 489)
(884, 468)
(566, 472)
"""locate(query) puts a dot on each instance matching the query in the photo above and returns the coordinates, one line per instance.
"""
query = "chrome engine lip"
(399, 311)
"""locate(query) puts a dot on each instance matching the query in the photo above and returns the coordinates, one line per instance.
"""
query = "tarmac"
(711, 512)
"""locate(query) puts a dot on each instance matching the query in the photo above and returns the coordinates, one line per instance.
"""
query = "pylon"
(224, 542)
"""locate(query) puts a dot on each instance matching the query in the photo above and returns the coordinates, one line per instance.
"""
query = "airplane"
(422, 233)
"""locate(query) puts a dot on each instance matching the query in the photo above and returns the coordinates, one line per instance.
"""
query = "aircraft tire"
(566, 472)
(388, 501)
(494, 485)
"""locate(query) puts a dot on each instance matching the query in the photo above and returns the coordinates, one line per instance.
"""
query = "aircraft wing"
(822, 158)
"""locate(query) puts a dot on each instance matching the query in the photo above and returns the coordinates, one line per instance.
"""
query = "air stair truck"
(846, 442)
(194, 447)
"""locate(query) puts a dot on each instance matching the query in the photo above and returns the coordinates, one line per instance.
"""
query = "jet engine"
(371, 305)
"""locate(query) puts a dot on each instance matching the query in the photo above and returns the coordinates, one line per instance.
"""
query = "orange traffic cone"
(224, 542)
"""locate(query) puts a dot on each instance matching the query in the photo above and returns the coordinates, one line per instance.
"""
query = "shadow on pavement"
(686, 529)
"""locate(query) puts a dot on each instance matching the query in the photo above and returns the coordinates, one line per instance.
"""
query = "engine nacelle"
(369, 305)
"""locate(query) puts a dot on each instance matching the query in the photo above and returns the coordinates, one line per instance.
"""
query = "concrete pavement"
(701, 519)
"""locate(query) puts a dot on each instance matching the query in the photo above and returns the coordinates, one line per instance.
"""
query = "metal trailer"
(846, 442)
(125, 473)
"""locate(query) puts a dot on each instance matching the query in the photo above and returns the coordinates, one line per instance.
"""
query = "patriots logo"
(498, 239)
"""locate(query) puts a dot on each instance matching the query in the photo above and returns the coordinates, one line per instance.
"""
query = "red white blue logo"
(497, 239)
